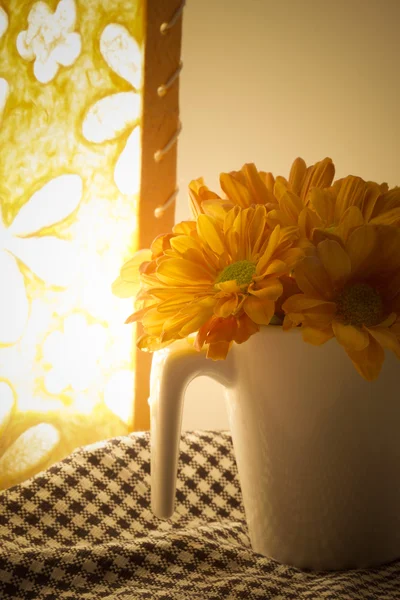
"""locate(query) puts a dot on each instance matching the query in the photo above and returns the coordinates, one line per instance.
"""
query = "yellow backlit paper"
(70, 109)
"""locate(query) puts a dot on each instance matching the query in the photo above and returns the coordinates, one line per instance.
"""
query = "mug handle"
(173, 368)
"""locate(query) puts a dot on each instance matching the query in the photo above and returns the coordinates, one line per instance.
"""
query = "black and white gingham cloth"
(83, 530)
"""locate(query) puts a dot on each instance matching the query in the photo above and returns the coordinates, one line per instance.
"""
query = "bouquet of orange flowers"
(301, 252)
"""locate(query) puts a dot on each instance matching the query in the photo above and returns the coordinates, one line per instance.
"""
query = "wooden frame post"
(160, 128)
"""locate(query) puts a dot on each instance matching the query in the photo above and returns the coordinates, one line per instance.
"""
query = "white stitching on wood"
(160, 210)
(165, 27)
(163, 89)
(159, 155)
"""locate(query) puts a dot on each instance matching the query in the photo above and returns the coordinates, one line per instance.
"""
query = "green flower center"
(360, 304)
(241, 271)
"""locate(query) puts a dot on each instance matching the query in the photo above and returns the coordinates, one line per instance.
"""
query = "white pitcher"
(317, 447)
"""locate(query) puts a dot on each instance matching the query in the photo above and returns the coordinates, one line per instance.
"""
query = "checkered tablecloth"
(83, 530)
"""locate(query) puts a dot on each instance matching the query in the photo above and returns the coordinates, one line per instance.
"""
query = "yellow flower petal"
(210, 234)
(269, 181)
(388, 322)
(198, 194)
(387, 208)
(153, 322)
(184, 228)
(371, 196)
(226, 306)
(182, 243)
(395, 328)
(229, 287)
(291, 205)
(281, 186)
(292, 257)
(320, 317)
(292, 320)
(218, 350)
(312, 278)
(130, 270)
(297, 174)
(124, 289)
(138, 315)
(385, 338)
(389, 248)
(195, 322)
(239, 247)
(351, 219)
(389, 217)
(175, 303)
(275, 267)
(335, 261)
(308, 220)
(319, 175)
(270, 289)
(245, 329)
(278, 217)
(271, 246)
(350, 191)
(235, 191)
(216, 209)
(256, 228)
(150, 343)
(362, 249)
(300, 302)
(177, 271)
(259, 311)
(350, 337)
(323, 201)
(316, 336)
(368, 362)
(258, 190)
(319, 235)
(309, 311)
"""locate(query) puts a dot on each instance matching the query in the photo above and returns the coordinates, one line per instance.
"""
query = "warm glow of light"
(30, 449)
(70, 111)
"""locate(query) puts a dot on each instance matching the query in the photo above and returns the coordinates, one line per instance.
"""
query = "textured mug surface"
(317, 446)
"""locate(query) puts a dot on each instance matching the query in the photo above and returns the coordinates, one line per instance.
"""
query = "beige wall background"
(267, 81)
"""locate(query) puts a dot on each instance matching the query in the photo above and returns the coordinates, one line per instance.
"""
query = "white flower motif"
(50, 39)
(39, 435)
(51, 259)
(4, 90)
(3, 22)
(29, 450)
(113, 115)
(7, 402)
(74, 355)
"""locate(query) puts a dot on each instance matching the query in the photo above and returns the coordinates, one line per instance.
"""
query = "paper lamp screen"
(70, 112)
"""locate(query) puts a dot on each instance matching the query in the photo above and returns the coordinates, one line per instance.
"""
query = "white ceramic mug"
(317, 447)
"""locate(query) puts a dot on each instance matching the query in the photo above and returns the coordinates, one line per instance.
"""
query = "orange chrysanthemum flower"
(220, 279)
(350, 203)
(324, 256)
(351, 291)
(293, 195)
(127, 284)
(285, 198)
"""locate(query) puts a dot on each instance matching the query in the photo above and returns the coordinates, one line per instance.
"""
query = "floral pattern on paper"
(50, 40)
(6, 404)
(74, 354)
(113, 115)
(4, 91)
(3, 22)
(48, 257)
(63, 237)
